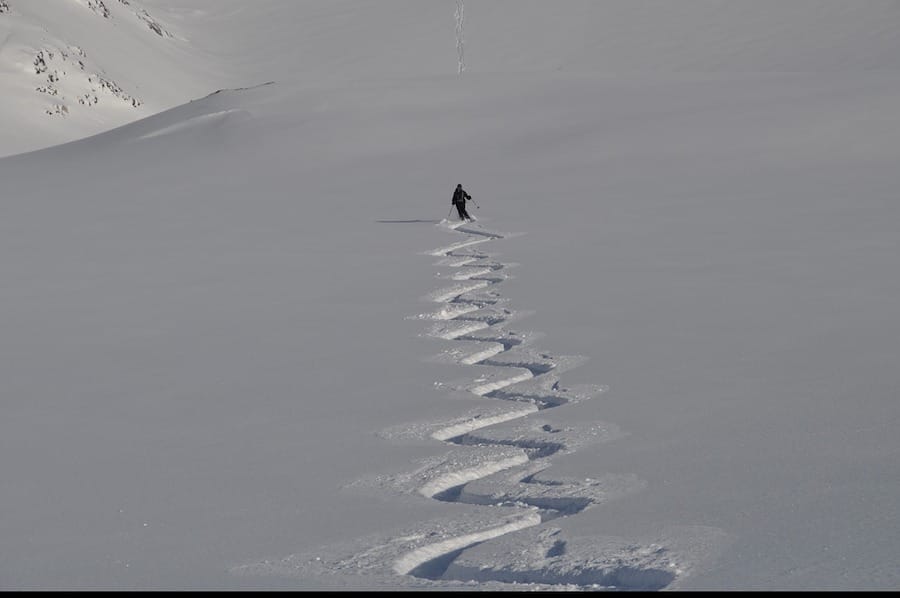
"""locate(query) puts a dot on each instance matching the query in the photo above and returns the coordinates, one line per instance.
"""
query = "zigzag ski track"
(498, 464)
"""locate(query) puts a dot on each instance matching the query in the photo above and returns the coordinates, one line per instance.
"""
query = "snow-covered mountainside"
(72, 68)
(247, 344)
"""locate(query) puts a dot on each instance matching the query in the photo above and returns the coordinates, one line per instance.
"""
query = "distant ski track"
(499, 465)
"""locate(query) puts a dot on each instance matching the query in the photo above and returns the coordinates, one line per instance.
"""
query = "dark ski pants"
(463, 214)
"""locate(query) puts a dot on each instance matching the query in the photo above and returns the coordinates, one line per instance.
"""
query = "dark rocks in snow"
(58, 110)
(99, 7)
(40, 63)
(96, 84)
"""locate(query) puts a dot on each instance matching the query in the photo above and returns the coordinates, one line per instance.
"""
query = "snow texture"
(245, 346)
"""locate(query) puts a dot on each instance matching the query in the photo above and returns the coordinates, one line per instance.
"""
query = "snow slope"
(72, 68)
(243, 346)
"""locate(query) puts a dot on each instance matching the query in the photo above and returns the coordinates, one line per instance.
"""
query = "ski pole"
(450, 212)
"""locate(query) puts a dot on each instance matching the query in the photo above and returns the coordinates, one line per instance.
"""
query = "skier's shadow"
(407, 221)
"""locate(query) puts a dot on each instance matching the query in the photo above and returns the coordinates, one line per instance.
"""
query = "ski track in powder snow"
(499, 457)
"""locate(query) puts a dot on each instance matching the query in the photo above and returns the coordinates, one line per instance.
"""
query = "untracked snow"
(245, 345)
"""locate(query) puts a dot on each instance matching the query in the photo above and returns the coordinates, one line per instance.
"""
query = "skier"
(459, 200)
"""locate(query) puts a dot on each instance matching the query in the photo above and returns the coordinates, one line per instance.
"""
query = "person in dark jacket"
(459, 200)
